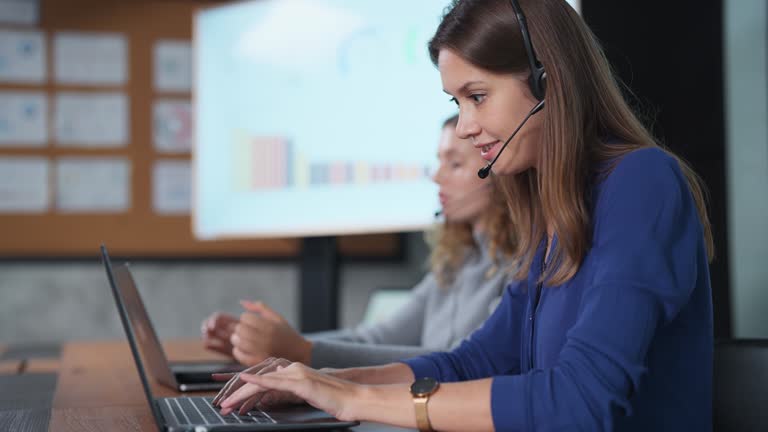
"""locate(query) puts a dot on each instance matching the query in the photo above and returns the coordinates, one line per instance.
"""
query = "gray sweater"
(435, 318)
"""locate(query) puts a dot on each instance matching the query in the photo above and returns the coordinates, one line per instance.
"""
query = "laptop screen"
(117, 278)
(143, 330)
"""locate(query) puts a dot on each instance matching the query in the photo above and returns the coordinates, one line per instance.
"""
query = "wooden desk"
(98, 387)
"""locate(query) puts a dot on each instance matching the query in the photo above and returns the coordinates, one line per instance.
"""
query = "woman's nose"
(467, 127)
(436, 174)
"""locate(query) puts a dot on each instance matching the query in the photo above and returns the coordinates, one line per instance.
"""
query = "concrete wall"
(64, 301)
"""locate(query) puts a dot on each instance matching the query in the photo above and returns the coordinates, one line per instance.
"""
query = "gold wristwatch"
(421, 390)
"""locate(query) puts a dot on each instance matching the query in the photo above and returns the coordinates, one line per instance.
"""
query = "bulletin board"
(138, 229)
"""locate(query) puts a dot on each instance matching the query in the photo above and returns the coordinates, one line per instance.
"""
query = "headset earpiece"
(538, 79)
(538, 83)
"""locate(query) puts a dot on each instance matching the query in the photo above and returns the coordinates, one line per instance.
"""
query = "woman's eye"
(477, 98)
(454, 100)
(455, 165)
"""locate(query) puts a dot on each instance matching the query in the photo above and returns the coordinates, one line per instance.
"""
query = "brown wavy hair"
(452, 241)
(586, 121)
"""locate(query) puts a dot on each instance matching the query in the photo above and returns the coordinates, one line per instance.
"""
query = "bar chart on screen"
(273, 163)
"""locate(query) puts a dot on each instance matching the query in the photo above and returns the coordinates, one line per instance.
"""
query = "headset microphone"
(484, 171)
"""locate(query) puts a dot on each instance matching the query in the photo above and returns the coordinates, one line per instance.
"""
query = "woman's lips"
(443, 199)
(487, 150)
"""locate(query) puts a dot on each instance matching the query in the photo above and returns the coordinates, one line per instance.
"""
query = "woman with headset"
(608, 325)
(469, 267)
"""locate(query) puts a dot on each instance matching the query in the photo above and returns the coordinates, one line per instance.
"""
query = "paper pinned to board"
(93, 185)
(22, 56)
(171, 187)
(90, 58)
(25, 12)
(173, 65)
(93, 120)
(25, 184)
(23, 119)
(172, 126)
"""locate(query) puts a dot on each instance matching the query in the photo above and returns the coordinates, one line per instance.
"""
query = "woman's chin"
(508, 168)
(457, 218)
(504, 171)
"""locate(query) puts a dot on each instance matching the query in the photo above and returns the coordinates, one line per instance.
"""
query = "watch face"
(423, 386)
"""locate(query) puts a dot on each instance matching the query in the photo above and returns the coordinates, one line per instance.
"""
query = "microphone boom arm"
(484, 171)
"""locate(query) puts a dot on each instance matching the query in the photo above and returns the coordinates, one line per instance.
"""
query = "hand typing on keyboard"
(280, 380)
(235, 382)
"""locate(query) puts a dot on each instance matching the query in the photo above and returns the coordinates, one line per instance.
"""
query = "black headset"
(538, 78)
(537, 83)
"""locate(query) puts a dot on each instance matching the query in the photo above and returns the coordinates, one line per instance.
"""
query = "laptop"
(180, 376)
(196, 413)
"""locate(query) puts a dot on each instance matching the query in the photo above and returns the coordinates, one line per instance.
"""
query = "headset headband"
(538, 74)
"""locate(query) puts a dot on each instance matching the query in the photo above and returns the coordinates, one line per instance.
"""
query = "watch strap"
(422, 417)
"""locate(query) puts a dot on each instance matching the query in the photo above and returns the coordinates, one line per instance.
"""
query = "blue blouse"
(626, 344)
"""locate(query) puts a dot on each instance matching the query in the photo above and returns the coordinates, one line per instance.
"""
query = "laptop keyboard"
(199, 410)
